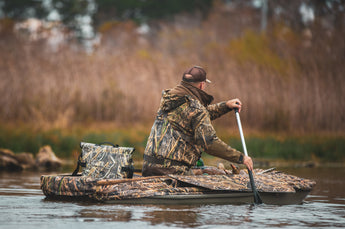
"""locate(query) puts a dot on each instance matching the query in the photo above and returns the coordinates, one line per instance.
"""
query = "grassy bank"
(65, 142)
(297, 148)
(277, 147)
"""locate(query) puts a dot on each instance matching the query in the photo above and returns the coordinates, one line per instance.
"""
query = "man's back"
(182, 129)
(171, 145)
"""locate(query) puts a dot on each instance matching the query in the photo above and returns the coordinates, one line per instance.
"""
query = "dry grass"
(287, 82)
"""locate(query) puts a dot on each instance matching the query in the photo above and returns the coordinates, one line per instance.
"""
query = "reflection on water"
(22, 205)
(330, 183)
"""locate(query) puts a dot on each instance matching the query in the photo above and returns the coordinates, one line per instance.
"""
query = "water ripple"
(22, 204)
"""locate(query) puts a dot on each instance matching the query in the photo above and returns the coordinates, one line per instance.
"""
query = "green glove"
(200, 163)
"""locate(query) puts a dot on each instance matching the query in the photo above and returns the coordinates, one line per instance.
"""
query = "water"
(22, 205)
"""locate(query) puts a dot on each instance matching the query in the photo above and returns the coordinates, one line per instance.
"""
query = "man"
(183, 130)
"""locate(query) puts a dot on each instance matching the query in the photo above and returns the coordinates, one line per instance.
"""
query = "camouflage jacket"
(181, 132)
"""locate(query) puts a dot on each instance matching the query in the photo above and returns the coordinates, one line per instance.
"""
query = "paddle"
(257, 198)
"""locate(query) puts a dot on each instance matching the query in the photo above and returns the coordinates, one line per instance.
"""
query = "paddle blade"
(257, 198)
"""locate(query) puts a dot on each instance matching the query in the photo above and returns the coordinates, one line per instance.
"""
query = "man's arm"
(205, 137)
(219, 109)
(220, 149)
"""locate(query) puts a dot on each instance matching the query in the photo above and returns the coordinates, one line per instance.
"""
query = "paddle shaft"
(257, 198)
(241, 132)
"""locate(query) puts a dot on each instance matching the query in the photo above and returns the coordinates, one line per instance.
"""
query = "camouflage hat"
(195, 74)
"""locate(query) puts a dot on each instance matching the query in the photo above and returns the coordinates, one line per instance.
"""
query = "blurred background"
(94, 70)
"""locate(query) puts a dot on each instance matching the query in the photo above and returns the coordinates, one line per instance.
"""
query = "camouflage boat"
(274, 187)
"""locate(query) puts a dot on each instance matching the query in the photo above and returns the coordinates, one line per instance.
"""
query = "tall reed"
(287, 82)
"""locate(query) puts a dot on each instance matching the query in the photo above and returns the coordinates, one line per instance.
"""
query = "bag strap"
(108, 143)
(79, 164)
(129, 170)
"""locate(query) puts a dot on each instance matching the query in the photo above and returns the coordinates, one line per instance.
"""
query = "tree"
(20, 10)
(70, 11)
(142, 11)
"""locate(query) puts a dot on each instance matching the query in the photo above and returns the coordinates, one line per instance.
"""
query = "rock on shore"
(45, 160)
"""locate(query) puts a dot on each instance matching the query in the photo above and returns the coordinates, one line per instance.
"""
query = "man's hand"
(234, 103)
(247, 161)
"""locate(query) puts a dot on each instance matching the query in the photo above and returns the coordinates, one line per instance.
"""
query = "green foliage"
(101, 11)
(301, 148)
(26, 140)
(70, 10)
(65, 143)
(19, 9)
(146, 10)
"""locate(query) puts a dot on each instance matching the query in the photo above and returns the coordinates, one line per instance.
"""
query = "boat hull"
(274, 188)
(219, 199)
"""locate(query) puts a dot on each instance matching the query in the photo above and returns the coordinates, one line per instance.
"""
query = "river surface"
(22, 205)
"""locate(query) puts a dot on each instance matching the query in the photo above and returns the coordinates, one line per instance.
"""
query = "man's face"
(203, 85)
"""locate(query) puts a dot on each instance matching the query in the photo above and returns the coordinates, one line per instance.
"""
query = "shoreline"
(279, 149)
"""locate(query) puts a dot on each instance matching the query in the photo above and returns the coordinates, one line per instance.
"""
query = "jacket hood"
(183, 92)
(171, 101)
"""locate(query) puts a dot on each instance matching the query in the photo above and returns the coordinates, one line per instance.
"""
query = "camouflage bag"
(105, 161)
